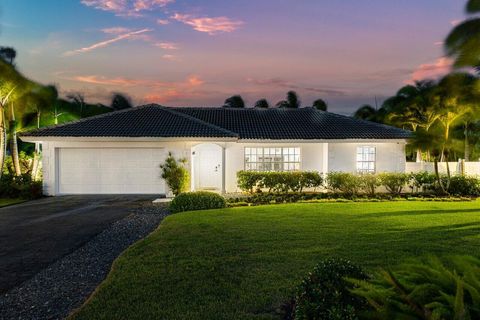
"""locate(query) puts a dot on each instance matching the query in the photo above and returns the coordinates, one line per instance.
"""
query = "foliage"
(262, 103)
(295, 181)
(369, 183)
(175, 174)
(365, 112)
(235, 101)
(464, 186)
(200, 200)
(394, 182)
(12, 186)
(344, 182)
(292, 101)
(320, 104)
(25, 164)
(120, 101)
(426, 288)
(324, 294)
(422, 181)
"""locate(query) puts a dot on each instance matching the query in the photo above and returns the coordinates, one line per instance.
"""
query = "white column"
(223, 170)
(325, 159)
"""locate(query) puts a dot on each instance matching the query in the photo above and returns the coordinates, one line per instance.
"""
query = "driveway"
(37, 233)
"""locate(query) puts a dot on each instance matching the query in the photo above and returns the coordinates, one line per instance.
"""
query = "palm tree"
(8, 54)
(79, 99)
(120, 101)
(235, 101)
(320, 104)
(366, 112)
(462, 43)
(14, 142)
(262, 103)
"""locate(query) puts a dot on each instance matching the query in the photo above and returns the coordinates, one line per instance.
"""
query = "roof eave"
(37, 139)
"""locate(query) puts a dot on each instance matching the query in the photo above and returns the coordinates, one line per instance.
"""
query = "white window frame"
(289, 159)
(366, 159)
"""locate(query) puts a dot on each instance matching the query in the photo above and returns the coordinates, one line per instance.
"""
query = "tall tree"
(366, 112)
(79, 99)
(235, 101)
(463, 44)
(262, 103)
(8, 54)
(320, 104)
(14, 142)
(292, 101)
(120, 101)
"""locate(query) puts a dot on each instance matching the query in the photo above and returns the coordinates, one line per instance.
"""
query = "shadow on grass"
(414, 213)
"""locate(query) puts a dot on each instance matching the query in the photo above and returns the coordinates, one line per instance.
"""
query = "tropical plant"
(79, 99)
(427, 288)
(8, 54)
(462, 44)
(262, 103)
(366, 112)
(175, 174)
(292, 101)
(320, 104)
(235, 101)
(120, 101)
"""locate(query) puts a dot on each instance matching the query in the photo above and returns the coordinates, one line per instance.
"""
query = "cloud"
(282, 83)
(105, 43)
(170, 57)
(191, 81)
(116, 30)
(128, 8)
(162, 22)
(434, 70)
(455, 22)
(167, 45)
(439, 43)
(211, 26)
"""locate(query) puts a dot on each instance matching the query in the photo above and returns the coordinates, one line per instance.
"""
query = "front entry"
(207, 167)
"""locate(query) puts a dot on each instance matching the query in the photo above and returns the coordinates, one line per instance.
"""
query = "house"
(120, 152)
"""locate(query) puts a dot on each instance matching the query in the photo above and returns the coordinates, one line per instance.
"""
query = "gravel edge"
(64, 286)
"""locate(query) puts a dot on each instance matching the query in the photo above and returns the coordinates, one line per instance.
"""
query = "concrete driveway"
(37, 233)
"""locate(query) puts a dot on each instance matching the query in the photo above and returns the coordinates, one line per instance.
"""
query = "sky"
(198, 53)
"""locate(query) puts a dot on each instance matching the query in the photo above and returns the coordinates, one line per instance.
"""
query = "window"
(272, 159)
(366, 159)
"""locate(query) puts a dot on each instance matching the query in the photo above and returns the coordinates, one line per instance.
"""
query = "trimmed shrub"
(394, 182)
(422, 181)
(295, 181)
(369, 183)
(325, 294)
(22, 186)
(343, 182)
(200, 200)
(175, 174)
(464, 186)
(426, 288)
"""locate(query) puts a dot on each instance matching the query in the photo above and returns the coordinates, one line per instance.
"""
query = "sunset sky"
(197, 53)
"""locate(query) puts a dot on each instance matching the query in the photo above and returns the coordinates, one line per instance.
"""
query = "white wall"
(390, 156)
(472, 168)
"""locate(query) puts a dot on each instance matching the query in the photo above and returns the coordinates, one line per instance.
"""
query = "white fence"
(470, 168)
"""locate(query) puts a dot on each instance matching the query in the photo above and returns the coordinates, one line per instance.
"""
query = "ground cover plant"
(244, 263)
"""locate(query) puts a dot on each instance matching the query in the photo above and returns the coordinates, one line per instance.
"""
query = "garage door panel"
(110, 170)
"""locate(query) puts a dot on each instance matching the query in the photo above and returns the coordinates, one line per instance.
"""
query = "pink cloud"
(130, 8)
(434, 70)
(105, 43)
(116, 30)
(162, 22)
(167, 45)
(211, 26)
(439, 43)
(455, 22)
(170, 57)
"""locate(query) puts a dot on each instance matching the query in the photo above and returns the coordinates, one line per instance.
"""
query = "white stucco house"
(120, 152)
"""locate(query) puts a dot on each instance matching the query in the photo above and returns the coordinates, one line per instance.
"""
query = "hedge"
(200, 200)
(296, 181)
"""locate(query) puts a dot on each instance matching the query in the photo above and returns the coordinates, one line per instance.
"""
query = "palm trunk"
(3, 140)
(466, 155)
(14, 145)
(36, 154)
(437, 175)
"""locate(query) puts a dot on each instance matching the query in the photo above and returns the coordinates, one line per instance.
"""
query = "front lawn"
(8, 202)
(242, 263)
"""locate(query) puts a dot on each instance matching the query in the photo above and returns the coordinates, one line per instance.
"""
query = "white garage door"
(110, 171)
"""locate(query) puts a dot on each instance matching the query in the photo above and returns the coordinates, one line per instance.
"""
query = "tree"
(292, 101)
(320, 104)
(79, 99)
(463, 44)
(8, 54)
(235, 101)
(120, 101)
(262, 103)
(366, 112)
(175, 174)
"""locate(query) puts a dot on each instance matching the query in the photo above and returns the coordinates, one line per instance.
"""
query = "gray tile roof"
(270, 124)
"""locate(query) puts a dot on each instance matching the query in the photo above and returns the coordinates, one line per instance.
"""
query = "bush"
(22, 186)
(200, 200)
(175, 174)
(347, 183)
(394, 182)
(325, 294)
(464, 186)
(369, 183)
(424, 289)
(296, 181)
(423, 181)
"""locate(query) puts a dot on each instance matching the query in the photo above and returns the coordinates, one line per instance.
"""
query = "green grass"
(242, 263)
(7, 202)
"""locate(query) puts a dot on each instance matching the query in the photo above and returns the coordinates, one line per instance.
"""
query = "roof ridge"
(211, 125)
(98, 116)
